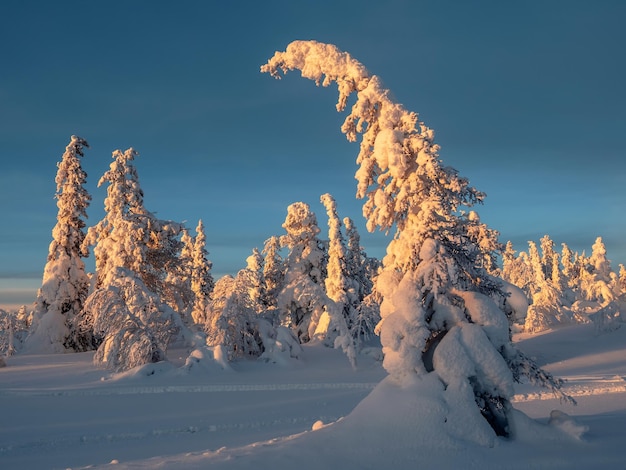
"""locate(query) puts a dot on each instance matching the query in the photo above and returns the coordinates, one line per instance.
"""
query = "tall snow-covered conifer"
(273, 270)
(202, 283)
(439, 317)
(302, 299)
(133, 250)
(65, 284)
(361, 271)
(339, 289)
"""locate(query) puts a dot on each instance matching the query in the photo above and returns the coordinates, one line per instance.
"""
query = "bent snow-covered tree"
(440, 315)
(65, 283)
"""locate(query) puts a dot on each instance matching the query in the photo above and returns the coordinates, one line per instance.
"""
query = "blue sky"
(527, 100)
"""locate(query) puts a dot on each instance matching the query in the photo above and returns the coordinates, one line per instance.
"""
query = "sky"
(526, 99)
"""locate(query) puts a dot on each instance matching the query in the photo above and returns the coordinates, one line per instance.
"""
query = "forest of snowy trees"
(443, 303)
(153, 288)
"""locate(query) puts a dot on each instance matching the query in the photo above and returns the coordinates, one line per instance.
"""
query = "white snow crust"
(59, 411)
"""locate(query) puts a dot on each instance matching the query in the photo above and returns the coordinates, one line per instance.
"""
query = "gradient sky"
(527, 99)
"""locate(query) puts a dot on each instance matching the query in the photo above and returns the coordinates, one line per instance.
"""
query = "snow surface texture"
(59, 411)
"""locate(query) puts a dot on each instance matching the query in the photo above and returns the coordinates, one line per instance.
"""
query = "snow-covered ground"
(58, 412)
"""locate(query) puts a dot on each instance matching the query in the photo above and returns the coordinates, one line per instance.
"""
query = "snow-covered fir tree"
(570, 271)
(13, 332)
(439, 318)
(252, 276)
(133, 251)
(547, 256)
(361, 269)
(202, 283)
(179, 294)
(227, 320)
(273, 270)
(340, 312)
(236, 327)
(302, 299)
(598, 282)
(65, 283)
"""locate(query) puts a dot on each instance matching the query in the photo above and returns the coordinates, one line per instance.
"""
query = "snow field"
(60, 412)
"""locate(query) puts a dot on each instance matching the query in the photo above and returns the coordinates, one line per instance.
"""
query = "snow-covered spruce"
(439, 306)
(65, 283)
(202, 283)
(340, 310)
(128, 313)
(302, 299)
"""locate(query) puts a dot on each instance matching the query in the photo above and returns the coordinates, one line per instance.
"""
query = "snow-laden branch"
(399, 167)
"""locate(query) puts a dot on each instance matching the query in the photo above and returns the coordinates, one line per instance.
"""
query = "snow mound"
(567, 424)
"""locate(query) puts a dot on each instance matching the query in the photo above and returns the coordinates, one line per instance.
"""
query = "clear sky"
(527, 99)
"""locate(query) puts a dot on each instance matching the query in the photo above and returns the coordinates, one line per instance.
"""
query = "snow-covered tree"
(236, 323)
(340, 311)
(134, 252)
(132, 325)
(569, 268)
(252, 277)
(547, 256)
(595, 275)
(65, 283)
(361, 270)
(273, 270)
(438, 313)
(202, 283)
(178, 279)
(13, 332)
(226, 320)
(302, 299)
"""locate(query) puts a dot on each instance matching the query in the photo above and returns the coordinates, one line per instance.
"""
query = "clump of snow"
(317, 425)
(144, 370)
(48, 335)
(484, 312)
(567, 424)
(281, 346)
(206, 359)
(516, 303)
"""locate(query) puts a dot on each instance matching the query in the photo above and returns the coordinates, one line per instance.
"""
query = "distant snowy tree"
(13, 332)
(570, 270)
(231, 319)
(341, 311)
(517, 269)
(273, 270)
(202, 283)
(302, 299)
(178, 279)
(438, 312)
(547, 256)
(361, 270)
(252, 276)
(598, 281)
(600, 290)
(235, 327)
(65, 283)
(536, 268)
(547, 290)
